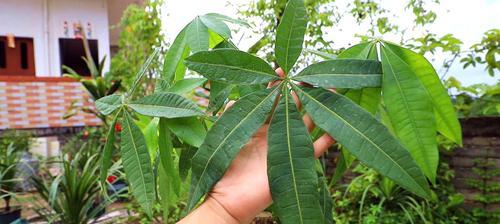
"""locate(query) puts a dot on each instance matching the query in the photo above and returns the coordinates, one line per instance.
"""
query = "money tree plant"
(392, 106)
(160, 131)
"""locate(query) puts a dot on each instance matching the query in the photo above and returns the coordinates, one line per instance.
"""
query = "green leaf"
(365, 137)
(231, 66)
(197, 35)
(446, 117)
(326, 201)
(142, 71)
(344, 162)
(217, 25)
(225, 139)
(150, 132)
(108, 151)
(410, 111)
(342, 73)
(227, 19)
(290, 161)
(166, 155)
(368, 98)
(108, 104)
(185, 158)
(226, 44)
(360, 51)
(219, 92)
(174, 57)
(164, 193)
(186, 85)
(290, 34)
(137, 164)
(167, 105)
(189, 129)
(323, 55)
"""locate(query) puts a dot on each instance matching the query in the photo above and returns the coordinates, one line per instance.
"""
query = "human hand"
(243, 192)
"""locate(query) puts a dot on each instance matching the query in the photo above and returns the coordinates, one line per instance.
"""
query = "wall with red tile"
(42, 103)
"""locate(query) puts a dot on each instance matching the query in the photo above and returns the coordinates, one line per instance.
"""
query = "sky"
(466, 19)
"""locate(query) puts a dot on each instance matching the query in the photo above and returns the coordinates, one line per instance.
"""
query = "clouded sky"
(466, 19)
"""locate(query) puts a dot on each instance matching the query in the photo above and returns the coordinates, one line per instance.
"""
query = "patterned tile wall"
(42, 104)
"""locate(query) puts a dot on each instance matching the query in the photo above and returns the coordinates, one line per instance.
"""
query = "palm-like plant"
(8, 160)
(74, 195)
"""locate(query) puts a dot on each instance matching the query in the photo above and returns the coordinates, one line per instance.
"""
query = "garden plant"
(387, 109)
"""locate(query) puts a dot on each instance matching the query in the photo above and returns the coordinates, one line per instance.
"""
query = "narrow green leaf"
(231, 66)
(410, 111)
(342, 73)
(167, 105)
(108, 151)
(174, 57)
(150, 132)
(227, 19)
(326, 201)
(165, 186)
(324, 55)
(142, 71)
(446, 117)
(185, 158)
(197, 35)
(225, 139)
(290, 34)
(219, 92)
(108, 104)
(166, 155)
(189, 129)
(365, 137)
(137, 164)
(186, 85)
(217, 25)
(344, 162)
(291, 169)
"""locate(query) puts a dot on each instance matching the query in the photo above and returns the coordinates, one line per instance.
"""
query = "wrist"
(210, 211)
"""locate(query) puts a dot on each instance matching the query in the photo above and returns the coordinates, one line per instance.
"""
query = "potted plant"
(9, 158)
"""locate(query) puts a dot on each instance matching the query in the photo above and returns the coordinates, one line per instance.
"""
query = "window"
(72, 51)
(18, 60)
(2, 55)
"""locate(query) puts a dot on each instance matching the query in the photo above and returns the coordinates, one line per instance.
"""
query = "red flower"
(111, 179)
(85, 134)
(118, 127)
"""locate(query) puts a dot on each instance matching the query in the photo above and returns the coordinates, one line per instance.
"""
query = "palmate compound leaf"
(342, 73)
(290, 34)
(231, 66)
(446, 118)
(225, 139)
(410, 111)
(137, 163)
(291, 166)
(365, 137)
(166, 105)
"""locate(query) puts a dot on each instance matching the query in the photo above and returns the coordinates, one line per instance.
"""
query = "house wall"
(43, 20)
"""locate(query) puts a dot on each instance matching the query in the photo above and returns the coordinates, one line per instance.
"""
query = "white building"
(37, 37)
(50, 24)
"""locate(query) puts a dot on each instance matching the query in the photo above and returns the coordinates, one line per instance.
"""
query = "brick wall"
(41, 103)
(477, 164)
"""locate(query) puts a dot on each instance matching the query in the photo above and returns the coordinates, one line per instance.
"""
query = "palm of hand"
(244, 187)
